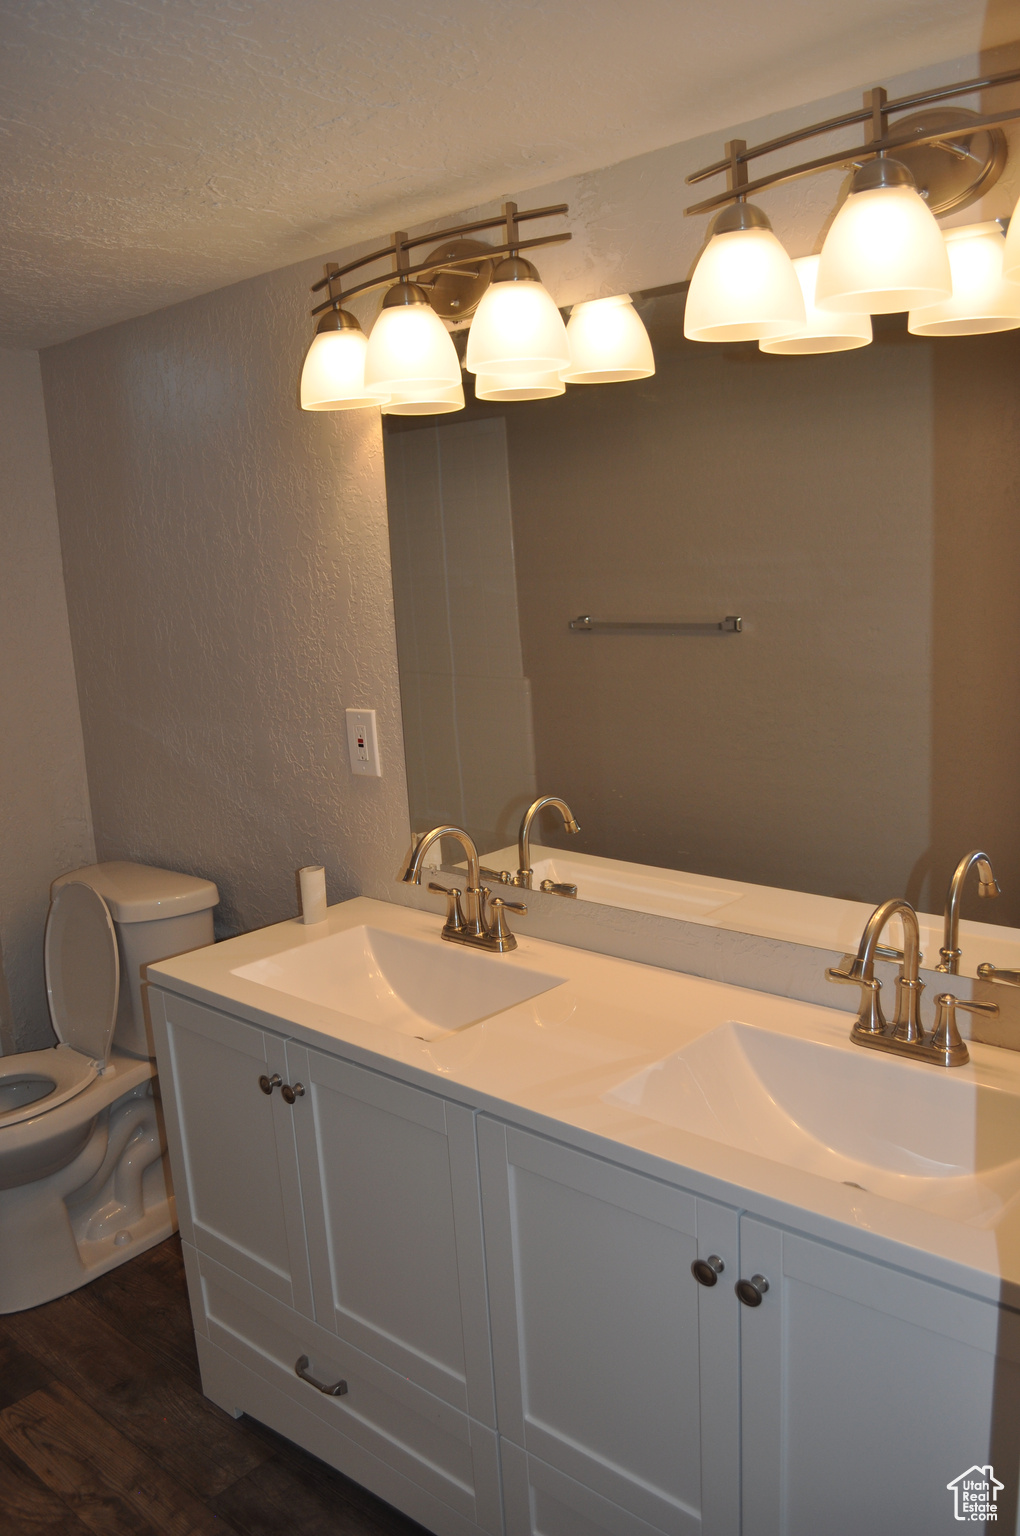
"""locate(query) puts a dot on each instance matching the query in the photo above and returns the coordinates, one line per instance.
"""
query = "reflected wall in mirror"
(860, 511)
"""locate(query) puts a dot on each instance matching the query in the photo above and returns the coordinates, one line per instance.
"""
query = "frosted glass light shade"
(517, 329)
(982, 299)
(884, 253)
(333, 377)
(822, 331)
(521, 386)
(744, 287)
(425, 402)
(608, 343)
(410, 349)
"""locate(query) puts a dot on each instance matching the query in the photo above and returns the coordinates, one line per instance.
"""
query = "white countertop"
(548, 1063)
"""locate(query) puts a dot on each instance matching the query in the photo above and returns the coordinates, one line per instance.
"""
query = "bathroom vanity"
(550, 1242)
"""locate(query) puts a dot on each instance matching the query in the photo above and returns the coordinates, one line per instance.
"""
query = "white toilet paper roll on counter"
(313, 893)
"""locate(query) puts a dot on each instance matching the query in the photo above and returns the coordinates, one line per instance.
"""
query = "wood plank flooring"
(104, 1429)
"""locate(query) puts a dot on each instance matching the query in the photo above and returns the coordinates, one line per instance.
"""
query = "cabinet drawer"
(420, 1437)
(542, 1501)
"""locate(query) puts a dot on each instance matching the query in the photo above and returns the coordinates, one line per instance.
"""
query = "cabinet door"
(615, 1370)
(390, 1179)
(865, 1392)
(232, 1146)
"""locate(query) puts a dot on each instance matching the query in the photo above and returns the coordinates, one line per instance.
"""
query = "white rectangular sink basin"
(398, 982)
(928, 1136)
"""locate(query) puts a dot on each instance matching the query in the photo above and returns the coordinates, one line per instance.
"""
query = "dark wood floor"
(104, 1429)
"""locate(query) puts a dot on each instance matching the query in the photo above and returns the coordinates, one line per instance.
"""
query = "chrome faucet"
(480, 922)
(987, 886)
(905, 1036)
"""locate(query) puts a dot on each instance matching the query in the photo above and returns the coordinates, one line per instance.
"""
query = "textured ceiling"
(155, 149)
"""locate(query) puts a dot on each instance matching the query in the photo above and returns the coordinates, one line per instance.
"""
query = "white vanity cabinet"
(512, 1326)
(617, 1373)
(865, 1391)
(344, 1230)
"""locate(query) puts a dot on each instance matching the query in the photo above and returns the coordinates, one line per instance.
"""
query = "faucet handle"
(501, 876)
(454, 910)
(946, 1037)
(869, 1020)
(500, 932)
(989, 972)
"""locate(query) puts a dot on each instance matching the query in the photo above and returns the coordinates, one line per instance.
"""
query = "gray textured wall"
(44, 808)
(229, 595)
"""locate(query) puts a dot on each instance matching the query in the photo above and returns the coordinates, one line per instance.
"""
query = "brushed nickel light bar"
(439, 260)
(876, 110)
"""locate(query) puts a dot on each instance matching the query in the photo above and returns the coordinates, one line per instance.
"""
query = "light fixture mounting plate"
(951, 173)
(455, 293)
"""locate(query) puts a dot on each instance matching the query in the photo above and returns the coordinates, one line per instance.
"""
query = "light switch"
(362, 743)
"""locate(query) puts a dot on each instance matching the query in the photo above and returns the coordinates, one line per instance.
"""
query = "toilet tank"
(157, 913)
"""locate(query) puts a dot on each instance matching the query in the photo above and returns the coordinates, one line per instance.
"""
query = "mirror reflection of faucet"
(950, 952)
(525, 874)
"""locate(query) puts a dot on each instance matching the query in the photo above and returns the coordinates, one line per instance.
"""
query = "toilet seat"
(83, 987)
(67, 1069)
(82, 970)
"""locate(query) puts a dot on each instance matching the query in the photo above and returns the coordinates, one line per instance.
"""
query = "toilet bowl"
(84, 1182)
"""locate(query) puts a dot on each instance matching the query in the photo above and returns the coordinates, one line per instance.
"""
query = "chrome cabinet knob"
(707, 1271)
(750, 1292)
(290, 1093)
(267, 1084)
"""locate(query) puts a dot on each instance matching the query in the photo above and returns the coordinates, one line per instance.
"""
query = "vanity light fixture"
(982, 299)
(333, 377)
(410, 352)
(744, 287)
(884, 251)
(518, 346)
(409, 365)
(822, 331)
(608, 342)
(517, 327)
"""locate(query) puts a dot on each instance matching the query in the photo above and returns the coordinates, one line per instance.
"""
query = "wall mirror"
(859, 511)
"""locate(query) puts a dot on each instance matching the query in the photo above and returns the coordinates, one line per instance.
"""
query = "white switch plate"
(362, 743)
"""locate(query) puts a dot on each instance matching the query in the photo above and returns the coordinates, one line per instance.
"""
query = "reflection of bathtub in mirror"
(823, 922)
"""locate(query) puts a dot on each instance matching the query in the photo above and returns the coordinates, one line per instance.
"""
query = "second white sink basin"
(409, 985)
(920, 1134)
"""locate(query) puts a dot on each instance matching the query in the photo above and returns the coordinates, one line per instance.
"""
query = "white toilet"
(84, 1182)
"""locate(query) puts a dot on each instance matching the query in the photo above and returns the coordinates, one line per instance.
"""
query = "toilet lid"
(82, 970)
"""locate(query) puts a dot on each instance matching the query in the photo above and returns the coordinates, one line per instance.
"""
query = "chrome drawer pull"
(338, 1389)
(267, 1084)
(291, 1092)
